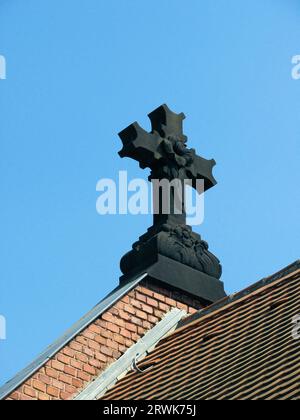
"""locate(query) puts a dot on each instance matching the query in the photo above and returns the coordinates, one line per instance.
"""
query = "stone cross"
(164, 151)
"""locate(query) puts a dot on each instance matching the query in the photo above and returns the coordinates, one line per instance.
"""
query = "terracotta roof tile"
(240, 350)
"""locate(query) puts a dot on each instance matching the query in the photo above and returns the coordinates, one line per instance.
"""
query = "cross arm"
(140, 145)
(203, 169)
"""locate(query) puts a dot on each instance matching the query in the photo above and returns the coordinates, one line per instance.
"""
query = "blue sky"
(80, 71)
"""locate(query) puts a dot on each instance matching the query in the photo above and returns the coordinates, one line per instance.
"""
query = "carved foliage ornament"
(177, 159)
(182, 244)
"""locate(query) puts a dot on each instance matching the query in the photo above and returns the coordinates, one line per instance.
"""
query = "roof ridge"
(234, 298)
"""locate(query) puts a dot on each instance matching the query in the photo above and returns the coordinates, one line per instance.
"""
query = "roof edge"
(72, 332)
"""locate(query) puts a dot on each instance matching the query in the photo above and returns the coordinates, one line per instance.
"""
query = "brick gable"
(102, 342)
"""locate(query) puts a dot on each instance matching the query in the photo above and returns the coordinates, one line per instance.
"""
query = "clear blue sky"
(80, 71)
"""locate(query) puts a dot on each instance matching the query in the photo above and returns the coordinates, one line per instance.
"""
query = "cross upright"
(170, 250)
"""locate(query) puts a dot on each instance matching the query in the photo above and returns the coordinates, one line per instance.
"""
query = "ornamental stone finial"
(170, 251)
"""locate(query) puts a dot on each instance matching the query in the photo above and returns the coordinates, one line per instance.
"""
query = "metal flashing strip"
(79, 326)
(118, 369)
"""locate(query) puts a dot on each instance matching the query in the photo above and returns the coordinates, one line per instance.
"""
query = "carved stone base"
(175, 275)
(177, 256)
(177, 242)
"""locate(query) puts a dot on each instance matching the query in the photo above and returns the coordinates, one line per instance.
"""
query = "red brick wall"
(102, 342)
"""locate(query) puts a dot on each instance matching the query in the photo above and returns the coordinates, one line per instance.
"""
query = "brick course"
(102, 342)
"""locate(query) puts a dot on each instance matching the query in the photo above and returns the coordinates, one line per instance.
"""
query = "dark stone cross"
(164, 151)
(170, 247)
